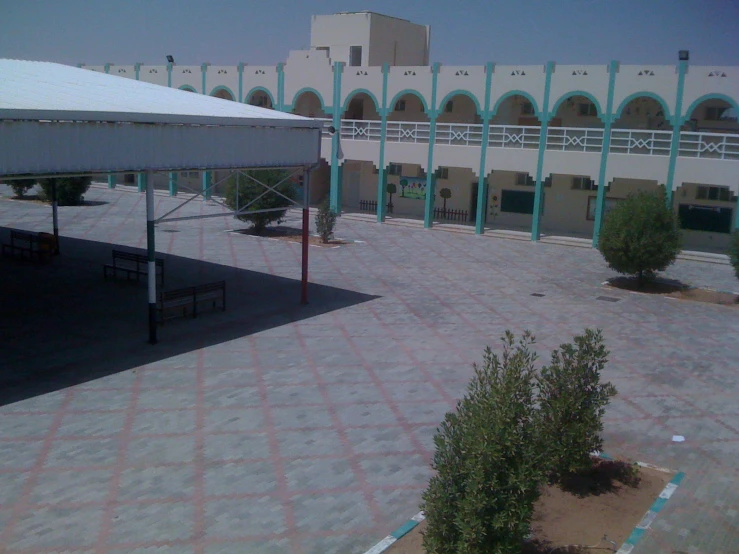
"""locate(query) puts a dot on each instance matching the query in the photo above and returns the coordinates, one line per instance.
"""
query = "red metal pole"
(306, 236)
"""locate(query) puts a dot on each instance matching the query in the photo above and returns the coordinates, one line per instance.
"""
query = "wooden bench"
(175, 303)
(37, 247)
(132, 264)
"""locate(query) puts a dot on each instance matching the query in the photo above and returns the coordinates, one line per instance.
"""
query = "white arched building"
(543, 148)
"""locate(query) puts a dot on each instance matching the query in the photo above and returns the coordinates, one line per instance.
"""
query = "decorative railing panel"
(514, 136)
(575, 139)
(401, 131)
(709, 145)
(457, 134)
(632, 141)
(355, 129)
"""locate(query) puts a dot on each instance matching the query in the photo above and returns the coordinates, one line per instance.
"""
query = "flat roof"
(50, 91)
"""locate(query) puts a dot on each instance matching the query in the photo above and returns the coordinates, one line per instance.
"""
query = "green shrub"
(488, 463)
(69, 190)
(640, 235)
(22, 186)
(572, 401)
(257, 197)
(734, 252)
(325, 221)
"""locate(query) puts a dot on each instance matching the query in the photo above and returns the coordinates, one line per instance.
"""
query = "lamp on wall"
(683, 55)
(170, 59)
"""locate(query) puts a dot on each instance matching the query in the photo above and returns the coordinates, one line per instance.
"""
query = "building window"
(583, 183)
(714, 113)
(522, 179)
(394, 169)
(442, 173)
(713, 193)
(527, 108)
(587, 109)
(355, 56)
(449, 107)
(400, 106)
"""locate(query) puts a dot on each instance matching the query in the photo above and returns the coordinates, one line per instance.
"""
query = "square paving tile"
(238, 518)
(80, 453)
(349, 511)
(56, 528)
(309, 442)
(151, 522)
(156, 483)
(236, 446)
(315, 474)
(240, 478)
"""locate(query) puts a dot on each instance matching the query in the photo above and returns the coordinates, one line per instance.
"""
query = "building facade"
(546, 149)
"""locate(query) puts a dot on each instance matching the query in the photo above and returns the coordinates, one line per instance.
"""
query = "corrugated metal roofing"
(51, 91)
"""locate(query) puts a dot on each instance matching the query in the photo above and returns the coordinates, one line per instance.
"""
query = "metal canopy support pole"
(150, 247)
(306, 236)
(55, 215)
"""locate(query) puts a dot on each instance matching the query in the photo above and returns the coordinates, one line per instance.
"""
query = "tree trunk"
(640, 281)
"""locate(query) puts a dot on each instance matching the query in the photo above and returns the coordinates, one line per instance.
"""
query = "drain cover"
(608, 298)
(537, 294)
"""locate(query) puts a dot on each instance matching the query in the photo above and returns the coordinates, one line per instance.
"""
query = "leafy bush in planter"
(22, 186)
(734, 252)
(488, 462)
(257, 197)
(640, 235)
(572, 401)
(325, 221)
(69, 190)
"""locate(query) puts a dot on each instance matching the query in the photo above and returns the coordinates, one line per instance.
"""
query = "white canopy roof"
(61, 119)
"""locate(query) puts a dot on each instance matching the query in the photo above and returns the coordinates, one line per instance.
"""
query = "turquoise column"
(107, 67)
(482, 187)
(137, 68)
(79, 65)
(736, 215)
(204, 73)
(677, 121)
(539, 194)
(381, 171)
(334, 193)
(173, 183)
(207, 182)
(428, 217)
(241, 82)
(341, 188)
(169, 75)
(280, 87)
(600, 201)
(111, 181)
(141, 179)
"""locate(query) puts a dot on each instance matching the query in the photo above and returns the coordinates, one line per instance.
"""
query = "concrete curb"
(626, 548)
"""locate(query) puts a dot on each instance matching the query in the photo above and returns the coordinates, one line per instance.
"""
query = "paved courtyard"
(277, 428)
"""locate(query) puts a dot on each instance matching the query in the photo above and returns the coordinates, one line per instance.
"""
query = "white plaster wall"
(259, 76)
(156, 74)
(511, 159)
(663, 83)
(467, 78)
(707, 171)
(354, 78)
(567, 79)
(129, 72)
(527, 78)
(223, 75)
(194, 78)
(359, 182)
(637, 166)
(309, 68)
(565, 210)
(406, 152)
(699, 82)
(457, 157)
(396, 41)
(339, 32)
(98, 68)
(326, 148)
(418, 78)
(360, 150)
(572, 163)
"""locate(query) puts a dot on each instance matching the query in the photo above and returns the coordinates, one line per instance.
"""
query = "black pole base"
(152, 324)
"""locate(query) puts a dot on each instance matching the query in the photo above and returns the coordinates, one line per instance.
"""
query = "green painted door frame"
(677, 120)
(600, 201)
(334, 193)
(539, 193)
(382, 170)
(428, 216)
(482, 188)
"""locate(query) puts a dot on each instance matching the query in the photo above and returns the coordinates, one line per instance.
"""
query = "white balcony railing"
(632, 141)
(401, 131)
(458, 134)
(575, 139)
(514, 136)
(354, 129)
(709, 145)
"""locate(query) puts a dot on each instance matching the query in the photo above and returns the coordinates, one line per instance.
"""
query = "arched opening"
(223, 93)
(187, 88)
(516, 109)
(455, 201)
(643, 113)
(459, 108)
(408, 107)
(576, 110)
(405, 190)
(261, 99)
(361, 107)
(713, 115)
(308, 104)
(359, 186)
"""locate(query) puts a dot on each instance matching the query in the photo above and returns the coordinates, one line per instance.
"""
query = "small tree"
(325, 221)
(487, 460)
(391, 189)
(640, 235)
(445, 194)
(22, 186)
(403, 185)
(734, 252)
(69, 190)
(253, 196)
(572, 401)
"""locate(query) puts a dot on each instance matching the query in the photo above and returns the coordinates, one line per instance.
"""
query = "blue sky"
(463, 32)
